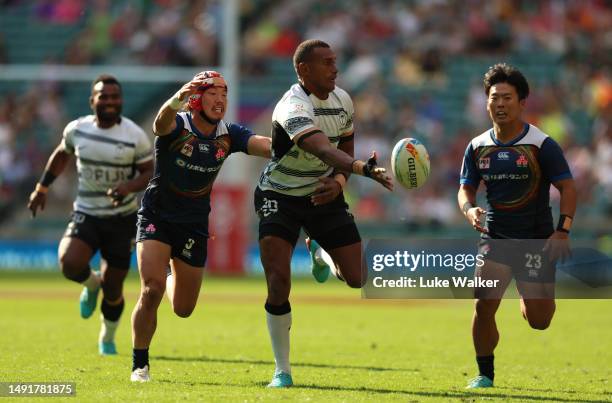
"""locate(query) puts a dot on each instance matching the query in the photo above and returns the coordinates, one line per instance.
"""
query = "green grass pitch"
(343, 348)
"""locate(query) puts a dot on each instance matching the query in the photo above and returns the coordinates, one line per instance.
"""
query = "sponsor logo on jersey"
(204, 148)
(187, 150)
(484, 163)
(296, 124)
(503, 155)
(192, 167)
(522, 161)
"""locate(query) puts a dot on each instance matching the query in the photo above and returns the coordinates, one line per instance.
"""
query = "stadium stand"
(412, 67)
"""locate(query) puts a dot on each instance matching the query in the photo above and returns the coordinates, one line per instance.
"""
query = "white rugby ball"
(410, 163)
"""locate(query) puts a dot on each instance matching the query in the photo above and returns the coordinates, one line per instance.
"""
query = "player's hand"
(117, 194)
(37, 199)
(326, 191)
(192, 86)
(372, 170)
(473, 216)
(558, 246)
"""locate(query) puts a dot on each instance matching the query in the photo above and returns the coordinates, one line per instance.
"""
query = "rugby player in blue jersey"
(114, 161)
(190, 149)
(517, 163)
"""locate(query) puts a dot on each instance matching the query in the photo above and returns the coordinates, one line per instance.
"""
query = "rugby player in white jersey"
(301, 187)
(114, 160)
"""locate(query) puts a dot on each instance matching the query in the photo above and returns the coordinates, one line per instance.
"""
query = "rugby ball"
(410, 163)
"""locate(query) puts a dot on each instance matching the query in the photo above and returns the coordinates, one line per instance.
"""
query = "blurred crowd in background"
(413, 67)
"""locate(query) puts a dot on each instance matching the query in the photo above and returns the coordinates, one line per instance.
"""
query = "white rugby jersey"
(293, 171)
(104, 159)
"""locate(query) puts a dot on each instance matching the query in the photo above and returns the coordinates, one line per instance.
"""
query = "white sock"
(278, 327)
(93, 281)
(323, 257)
(108, 329)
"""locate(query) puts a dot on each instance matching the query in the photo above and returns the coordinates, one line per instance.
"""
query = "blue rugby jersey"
(517, 176)
(186, 165)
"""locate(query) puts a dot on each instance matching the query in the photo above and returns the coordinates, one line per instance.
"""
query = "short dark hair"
(304, 50)
(106, 79)
(504, 73)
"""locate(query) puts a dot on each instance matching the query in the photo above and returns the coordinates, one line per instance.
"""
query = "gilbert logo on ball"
(410, 163)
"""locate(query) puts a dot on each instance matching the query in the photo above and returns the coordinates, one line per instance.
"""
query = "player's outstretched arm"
(317, 143)
(260, 146)
(55, 166)
(467, 203)
(165, 122)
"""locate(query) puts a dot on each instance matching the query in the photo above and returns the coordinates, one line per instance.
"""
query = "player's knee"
(183, 310)
(111, 291)
(152, 292)
(355, 282)
(486, 308)
(540, 323)
(278, 288)
(73, 269)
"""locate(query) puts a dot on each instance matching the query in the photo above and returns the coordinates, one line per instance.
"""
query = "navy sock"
(112, 312)
(278, 309)
(485, 366)
(140, 358)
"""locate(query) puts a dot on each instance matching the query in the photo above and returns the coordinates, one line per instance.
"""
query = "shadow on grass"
(297, 364)
(408, 393)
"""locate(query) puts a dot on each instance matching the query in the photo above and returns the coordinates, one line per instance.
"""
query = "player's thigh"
(117, 239)
(187, 283)
(538, 312)
(535, 273)
(153, 257)
(79, 243)
(349, 262)
(500, 273)
(74, 254)
(331, 224)
(153, 248)
(279, 217)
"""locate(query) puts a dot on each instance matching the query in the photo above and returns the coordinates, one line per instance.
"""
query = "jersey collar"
(220, 130)
(511, 142)
(305, 89)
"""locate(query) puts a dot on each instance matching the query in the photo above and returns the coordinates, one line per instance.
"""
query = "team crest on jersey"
(522, 162)
(343, 116)
(204, 148)
(221, 154)
(187, 150)
(484, 163)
